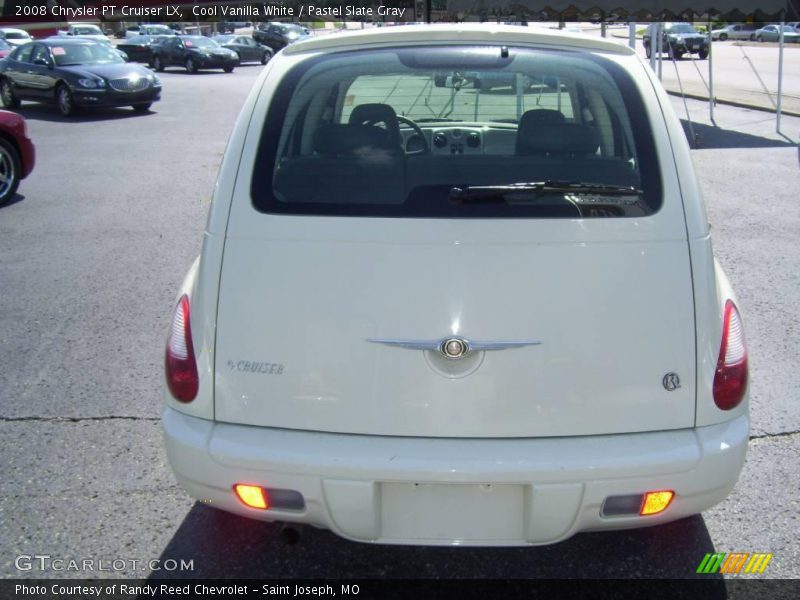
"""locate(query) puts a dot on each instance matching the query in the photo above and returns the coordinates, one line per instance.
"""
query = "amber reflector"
(656, 502)
(252, 495)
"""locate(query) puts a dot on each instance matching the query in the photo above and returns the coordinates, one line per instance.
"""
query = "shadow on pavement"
(227, 546)
(16, 198)
(47, 112)
(709, 137)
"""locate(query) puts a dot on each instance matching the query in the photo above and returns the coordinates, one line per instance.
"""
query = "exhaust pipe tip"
(290, 534)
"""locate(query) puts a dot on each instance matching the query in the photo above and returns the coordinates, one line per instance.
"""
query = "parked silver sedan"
(735, 31)
(772, 33)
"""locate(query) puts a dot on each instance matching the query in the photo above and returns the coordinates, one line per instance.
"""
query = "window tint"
(454, 132)
(85, 54)
(24, 53)
(40, 53)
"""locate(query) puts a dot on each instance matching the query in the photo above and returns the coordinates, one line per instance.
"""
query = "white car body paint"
(512, 447)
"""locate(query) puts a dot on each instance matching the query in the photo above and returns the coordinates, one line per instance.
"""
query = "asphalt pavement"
(91, 255)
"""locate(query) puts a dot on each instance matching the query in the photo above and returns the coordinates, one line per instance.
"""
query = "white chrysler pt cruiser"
(457, 287)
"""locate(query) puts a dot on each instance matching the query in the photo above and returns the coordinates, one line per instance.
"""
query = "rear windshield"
(462, 131)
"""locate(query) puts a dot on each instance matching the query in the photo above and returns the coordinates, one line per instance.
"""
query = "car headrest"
(558, 138)
(537, 117)
(378, 115)
(351, 140)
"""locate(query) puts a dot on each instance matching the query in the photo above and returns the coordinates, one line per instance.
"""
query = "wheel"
(158, 64)
(10, 170)
(228, 69)
(265, 57)
(759, 39)
(752, 37)
(703, 54)
(678, 55)
(65, 101)
(142, 108)
(191, 66)
(723, 37)
(426, 149)
(7, 94)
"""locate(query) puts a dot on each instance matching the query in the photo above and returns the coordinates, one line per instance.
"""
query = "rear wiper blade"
(535, 188)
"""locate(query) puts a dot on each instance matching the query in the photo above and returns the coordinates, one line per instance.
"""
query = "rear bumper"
(455, 491)
(215, 62)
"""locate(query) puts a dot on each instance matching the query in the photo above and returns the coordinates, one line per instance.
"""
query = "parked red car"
(17, 154)
(5, 48)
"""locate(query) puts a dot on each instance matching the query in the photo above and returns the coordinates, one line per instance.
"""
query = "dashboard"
(457, 140)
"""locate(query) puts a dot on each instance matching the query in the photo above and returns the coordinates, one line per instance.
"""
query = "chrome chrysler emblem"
(454, 347)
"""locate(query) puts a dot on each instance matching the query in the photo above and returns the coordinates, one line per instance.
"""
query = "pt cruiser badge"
(454, 348)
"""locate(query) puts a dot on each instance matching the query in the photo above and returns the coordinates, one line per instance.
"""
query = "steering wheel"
(426, 148)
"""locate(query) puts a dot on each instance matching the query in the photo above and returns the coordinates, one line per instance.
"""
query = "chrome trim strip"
(435, 345)
(413, 344)
(483, 346)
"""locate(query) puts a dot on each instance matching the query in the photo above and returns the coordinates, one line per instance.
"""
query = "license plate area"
(469, 512)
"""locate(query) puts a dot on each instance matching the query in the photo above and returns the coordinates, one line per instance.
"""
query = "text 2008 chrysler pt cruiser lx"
(434, 311)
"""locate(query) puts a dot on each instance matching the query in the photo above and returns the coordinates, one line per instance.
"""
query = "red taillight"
(180, 365)
(730, 380)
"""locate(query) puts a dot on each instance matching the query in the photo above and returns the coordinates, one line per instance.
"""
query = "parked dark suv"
(677, 39)
(279, 35)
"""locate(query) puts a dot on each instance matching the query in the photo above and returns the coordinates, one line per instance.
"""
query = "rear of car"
(15, 37)
(433, 312)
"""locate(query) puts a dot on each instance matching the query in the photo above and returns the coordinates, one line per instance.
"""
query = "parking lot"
(93, 250)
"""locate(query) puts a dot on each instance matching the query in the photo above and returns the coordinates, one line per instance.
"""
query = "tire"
(7, 94)
(723, 37)
(158, 64)
(10, 171)
(142, 108)
(191, 66)
(759, 39)
(64, 101)
(703, 54)
(228, 69)
(752, 37)
(265, 57)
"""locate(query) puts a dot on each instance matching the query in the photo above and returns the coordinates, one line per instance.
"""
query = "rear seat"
(350, 161)
(361, 162)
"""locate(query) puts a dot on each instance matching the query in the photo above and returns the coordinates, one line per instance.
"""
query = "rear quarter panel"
(711, 286)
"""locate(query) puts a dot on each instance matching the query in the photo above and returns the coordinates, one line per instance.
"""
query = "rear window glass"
(461, 131)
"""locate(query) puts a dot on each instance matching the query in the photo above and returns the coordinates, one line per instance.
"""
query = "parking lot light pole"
(710, 73)
(780, 80)
(632, 35)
